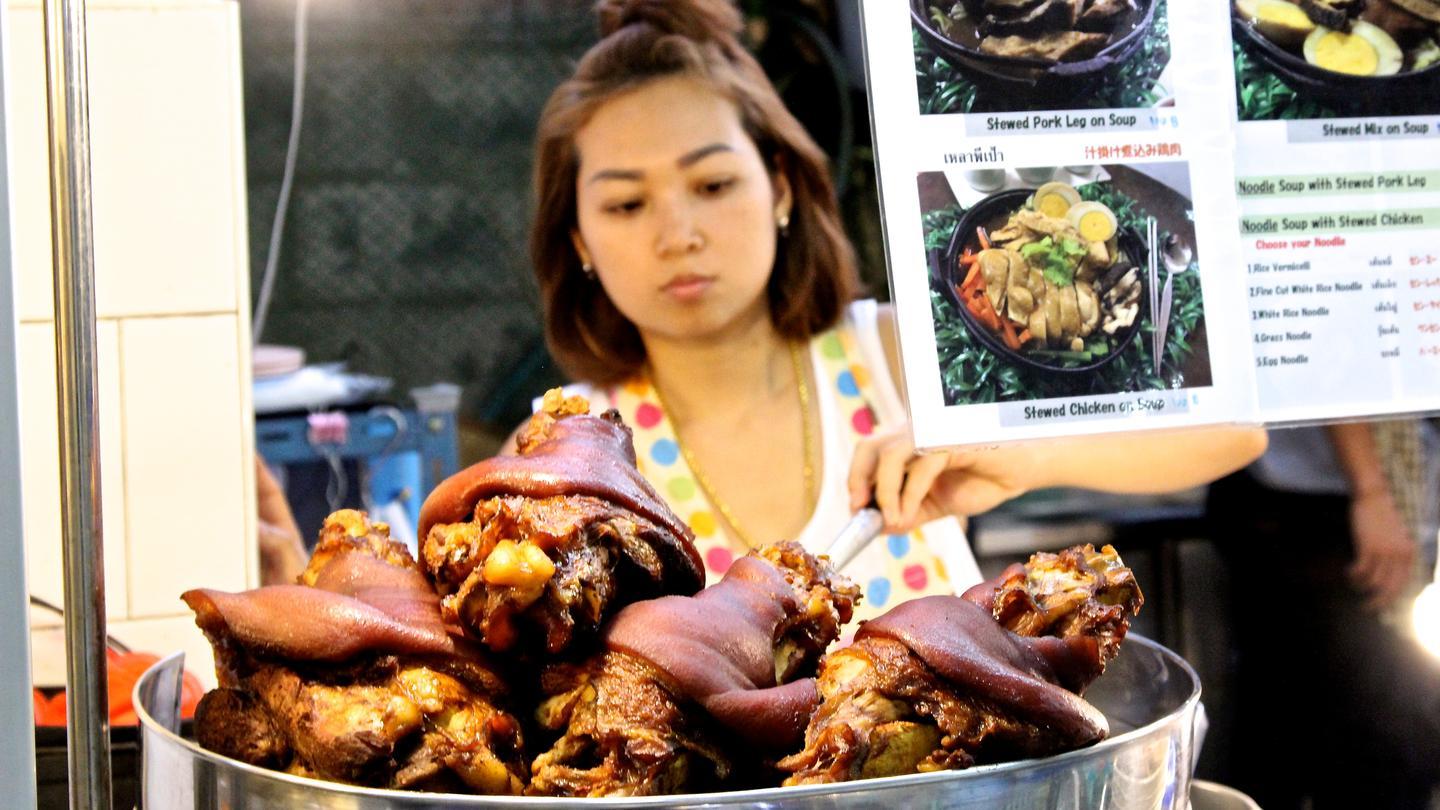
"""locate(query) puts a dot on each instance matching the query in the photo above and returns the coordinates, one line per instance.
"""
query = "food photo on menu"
(1334, 58)
(1059, 282)
(1023, 55)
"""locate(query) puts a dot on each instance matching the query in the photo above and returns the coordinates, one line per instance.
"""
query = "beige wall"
(172, 279)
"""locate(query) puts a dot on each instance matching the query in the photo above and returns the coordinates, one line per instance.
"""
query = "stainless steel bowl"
(1148, 693)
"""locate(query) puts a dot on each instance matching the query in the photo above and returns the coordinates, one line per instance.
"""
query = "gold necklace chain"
(807, 448)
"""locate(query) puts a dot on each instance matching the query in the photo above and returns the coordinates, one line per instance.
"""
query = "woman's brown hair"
(642, 40)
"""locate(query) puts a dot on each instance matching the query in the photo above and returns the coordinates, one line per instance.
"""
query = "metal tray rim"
(150, 725)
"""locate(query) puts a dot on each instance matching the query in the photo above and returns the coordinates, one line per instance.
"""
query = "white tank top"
(856, 394)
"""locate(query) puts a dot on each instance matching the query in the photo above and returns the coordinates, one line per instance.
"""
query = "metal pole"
(17, 740)
(74, 263)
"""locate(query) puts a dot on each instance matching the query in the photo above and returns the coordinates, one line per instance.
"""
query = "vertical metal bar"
(17, 740)
(74, 263)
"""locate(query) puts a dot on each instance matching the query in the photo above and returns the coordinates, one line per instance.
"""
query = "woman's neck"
(731, 375)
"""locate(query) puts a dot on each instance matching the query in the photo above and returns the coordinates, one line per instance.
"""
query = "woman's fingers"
(886, 467)
(890, 477)
(862, 472)
(865, 463)
(920, 477)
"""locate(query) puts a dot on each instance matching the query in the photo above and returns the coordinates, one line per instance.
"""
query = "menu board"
(1339, 188)
(1092, 226)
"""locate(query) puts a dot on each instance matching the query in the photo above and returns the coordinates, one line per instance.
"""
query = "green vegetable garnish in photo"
(1056, 261)
(1262, 96)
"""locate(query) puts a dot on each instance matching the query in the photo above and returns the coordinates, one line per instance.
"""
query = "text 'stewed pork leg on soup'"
(556, 538)
(352, 676)
(947, 682)
(684, 680)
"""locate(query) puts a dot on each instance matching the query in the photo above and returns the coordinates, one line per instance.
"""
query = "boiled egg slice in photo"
(1094, 221)
(1366, 51)
(1055, 199)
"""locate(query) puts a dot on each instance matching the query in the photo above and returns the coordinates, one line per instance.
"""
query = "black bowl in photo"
(1415, 92)
(1032, 75)
(995, 209)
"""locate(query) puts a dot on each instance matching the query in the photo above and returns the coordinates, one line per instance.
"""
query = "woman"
(695, 276)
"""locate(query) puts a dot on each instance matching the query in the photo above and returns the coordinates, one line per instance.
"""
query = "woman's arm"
(1144, 463)
(911, 488)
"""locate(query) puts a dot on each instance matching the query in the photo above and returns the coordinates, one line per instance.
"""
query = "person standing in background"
(1324, 539)
(282, 550)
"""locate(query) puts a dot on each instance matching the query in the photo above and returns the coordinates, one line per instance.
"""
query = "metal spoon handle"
(1167, 294)
(863, 527)
(1152, 233)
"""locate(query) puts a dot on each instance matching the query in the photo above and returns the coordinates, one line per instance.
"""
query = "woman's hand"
(913, 488)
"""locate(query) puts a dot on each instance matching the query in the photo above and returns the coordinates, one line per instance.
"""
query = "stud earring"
(588, 269)
(783, 222)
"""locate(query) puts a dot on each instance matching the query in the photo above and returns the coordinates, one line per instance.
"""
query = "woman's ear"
(784, 198)
(580, 248)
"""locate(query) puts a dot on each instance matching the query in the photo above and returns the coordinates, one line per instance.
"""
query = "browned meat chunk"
(1050, 15)
(352, 676)
(684, 678)
(1077, 591)
(944, 682)
(627, 733)
(883, 712)
(1399, 23)
(1331, 13)
(1010, 8)
(589, 543)
(231, 722)
(1425, 9)
(1102, 15)
(541, 539)
(1063, 46)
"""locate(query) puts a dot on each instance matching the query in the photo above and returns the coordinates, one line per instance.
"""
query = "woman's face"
(677, 210)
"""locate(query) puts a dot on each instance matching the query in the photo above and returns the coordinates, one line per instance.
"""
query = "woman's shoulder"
(863, 314)
(867, 317)
(872, 323)
(867, 329)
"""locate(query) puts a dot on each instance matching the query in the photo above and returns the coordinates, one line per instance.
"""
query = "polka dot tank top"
(892, 569)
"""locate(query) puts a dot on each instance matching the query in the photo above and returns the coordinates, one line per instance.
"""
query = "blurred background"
(404, 252)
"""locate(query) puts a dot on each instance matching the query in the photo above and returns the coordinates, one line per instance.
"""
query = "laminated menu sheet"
(1095, 226)
(1339, 188)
